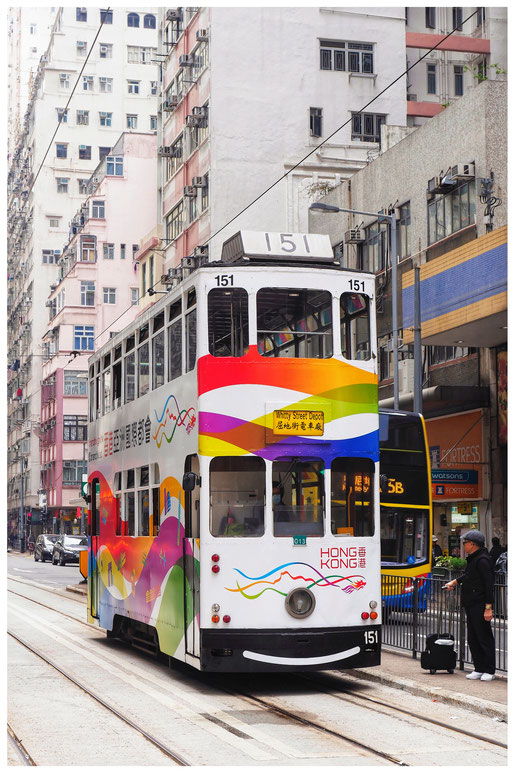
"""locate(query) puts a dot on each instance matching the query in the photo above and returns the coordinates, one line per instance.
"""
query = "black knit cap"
(475, 536)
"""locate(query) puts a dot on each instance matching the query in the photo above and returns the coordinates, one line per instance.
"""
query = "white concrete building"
(97, 78)
(28, 31)
(476, 51)
(248, 93)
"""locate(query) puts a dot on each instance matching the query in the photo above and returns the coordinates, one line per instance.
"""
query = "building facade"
(451, 213)
(95, 296)
(97, 77)
(232, 123)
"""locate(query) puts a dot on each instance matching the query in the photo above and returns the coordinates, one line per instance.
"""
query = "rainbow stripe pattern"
(271, 579)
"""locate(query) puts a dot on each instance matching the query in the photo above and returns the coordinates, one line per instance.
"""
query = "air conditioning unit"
(171, 103)
(57, 252)
(192, 120)
(406, 376)
(188, 262)
(199, 182)
(187, 60)
(463, 171)
(354, 236)
(44, 58)
(412, 97)
(433, 184)
(53, 285)
(202, 35)
(174, 14)
(189, 190)
(103, 50)
(165, 150)
(199, 111)
(81, 44)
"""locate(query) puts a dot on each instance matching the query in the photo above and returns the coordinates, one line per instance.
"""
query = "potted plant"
(447, 565)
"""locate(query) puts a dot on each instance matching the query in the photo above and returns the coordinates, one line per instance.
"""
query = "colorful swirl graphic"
(180, 418)
(354, 581)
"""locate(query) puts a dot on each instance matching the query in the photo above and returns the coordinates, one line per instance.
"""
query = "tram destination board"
(291, 422)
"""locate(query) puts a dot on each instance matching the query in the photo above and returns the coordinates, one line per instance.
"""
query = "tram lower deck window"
(352, 497)
(237, 492)
(298, 497)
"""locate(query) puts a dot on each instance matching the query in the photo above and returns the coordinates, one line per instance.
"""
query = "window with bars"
(366, 127)
(75, 428)
(450, 212)
(347, 56)
(75, 383)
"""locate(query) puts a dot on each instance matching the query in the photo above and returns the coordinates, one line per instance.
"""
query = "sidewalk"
(399, 669)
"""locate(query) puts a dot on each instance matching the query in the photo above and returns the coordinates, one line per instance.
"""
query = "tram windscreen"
(298, 497)
(237, 496)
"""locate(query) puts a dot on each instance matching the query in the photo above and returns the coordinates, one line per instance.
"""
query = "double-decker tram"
(406, 507)
(233, 465)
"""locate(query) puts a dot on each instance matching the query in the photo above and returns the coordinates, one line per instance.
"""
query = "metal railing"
(413, 608)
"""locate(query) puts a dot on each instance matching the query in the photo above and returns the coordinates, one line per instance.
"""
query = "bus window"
(175, 350)
(355, 326)
(237, 496)
(158, 360)
(143, 370)
(352, 497)
(228, 315)
(298, 497)
(294, 323)
(191, 340)
(404, 536)
(130, 377)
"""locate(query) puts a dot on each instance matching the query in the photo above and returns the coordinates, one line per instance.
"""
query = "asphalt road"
(23, 566)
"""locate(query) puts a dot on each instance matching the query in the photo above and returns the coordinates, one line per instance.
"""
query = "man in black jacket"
(477, 591)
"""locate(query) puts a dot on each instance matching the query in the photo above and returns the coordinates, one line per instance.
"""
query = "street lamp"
(330, 208)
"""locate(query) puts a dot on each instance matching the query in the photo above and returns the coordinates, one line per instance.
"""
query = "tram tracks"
(18, 747)
(177, 758)
(360, 699)
(298, 716)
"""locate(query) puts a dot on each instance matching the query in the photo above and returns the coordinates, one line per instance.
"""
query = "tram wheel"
(432, 670)
(450, 670)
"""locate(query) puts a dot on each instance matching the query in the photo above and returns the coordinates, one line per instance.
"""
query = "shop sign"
(456, 452)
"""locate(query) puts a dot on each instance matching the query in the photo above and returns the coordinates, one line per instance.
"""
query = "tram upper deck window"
(294, 323)
(117, 377)
(352, 497)
(237, 496)
(228, 315)
(298, 497)
(355, 326)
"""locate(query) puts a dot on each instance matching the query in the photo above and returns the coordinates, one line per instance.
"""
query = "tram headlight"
(215, 608)
(372, 604)
(300, 602)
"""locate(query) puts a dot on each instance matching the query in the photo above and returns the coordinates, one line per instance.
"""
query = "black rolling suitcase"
(439, 654)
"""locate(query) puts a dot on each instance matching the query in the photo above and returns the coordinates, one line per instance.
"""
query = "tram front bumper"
(290, 650)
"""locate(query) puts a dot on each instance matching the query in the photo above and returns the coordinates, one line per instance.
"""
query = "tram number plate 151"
(299, 540)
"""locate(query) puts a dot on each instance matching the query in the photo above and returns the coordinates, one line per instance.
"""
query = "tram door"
(93, 574)
(191, 556)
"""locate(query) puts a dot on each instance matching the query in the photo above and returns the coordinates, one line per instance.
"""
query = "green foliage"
(480, 72)
(453, 563)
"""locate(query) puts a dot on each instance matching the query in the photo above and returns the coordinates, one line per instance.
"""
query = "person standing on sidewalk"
(477, 591)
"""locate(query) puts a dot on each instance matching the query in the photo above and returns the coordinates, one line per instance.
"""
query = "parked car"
(44, 547)
(68, 547)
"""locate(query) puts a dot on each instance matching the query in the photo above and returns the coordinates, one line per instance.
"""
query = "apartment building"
(98, 77)
(95, 296)
(446, 184)
(247, 93)
(476, 51)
